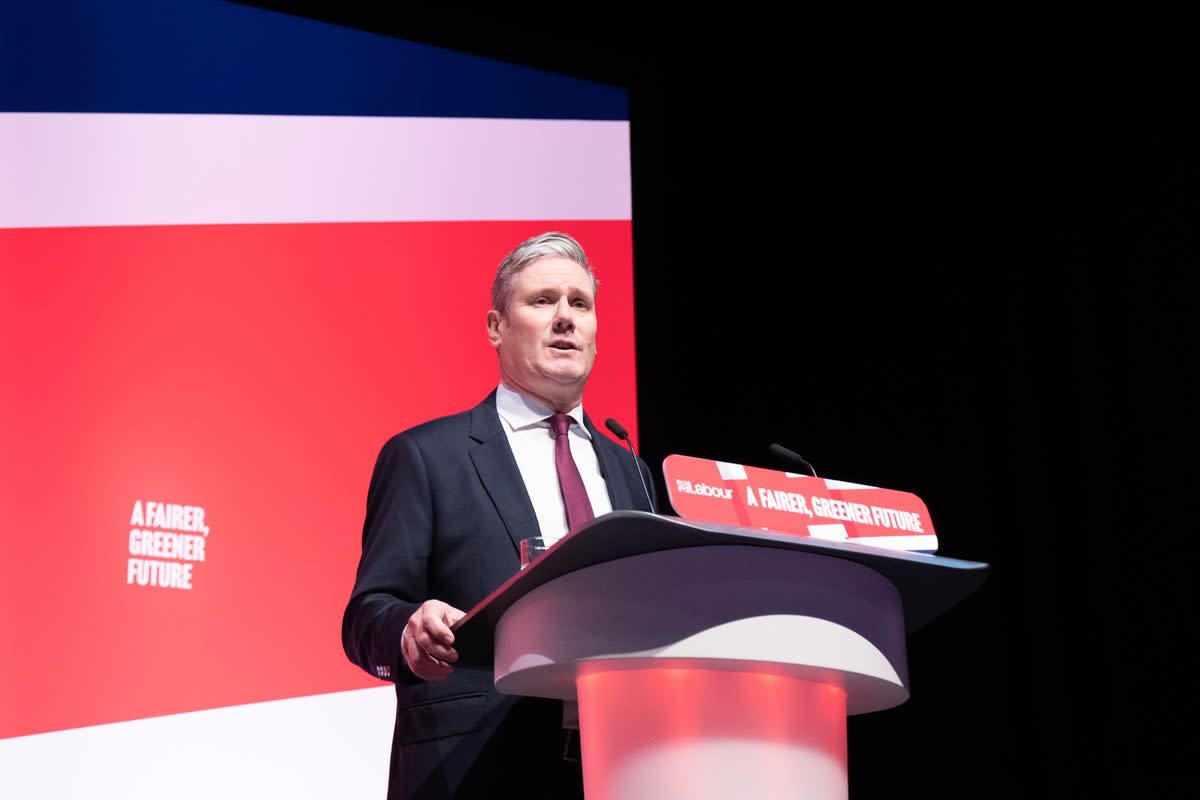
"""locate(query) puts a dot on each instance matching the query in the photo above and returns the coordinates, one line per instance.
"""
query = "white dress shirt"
(532, 444)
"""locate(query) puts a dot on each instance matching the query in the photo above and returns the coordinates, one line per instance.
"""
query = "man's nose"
(564, 314)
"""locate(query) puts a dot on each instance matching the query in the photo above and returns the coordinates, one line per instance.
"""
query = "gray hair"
(550, 244)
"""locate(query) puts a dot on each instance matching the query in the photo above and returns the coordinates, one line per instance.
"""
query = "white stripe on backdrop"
(304, 748)
(67, 170)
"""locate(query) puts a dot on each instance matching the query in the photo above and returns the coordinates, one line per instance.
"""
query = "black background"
(949, 256)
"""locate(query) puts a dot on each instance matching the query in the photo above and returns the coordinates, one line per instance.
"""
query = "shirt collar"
(519, 411)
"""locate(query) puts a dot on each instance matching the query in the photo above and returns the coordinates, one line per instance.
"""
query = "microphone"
(619, 431)
(789, 458)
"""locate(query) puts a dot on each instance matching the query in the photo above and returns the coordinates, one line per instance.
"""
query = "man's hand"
(428, 642)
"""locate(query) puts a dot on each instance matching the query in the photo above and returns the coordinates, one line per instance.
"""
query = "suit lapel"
(497, 470)
(614, 477)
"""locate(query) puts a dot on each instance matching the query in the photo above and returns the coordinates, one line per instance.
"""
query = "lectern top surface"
(929, 585)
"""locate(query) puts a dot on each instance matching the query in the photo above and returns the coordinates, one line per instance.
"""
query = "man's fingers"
(428, 643)
(432, 668)
(423, 663)
(437, 640)
(442, 651)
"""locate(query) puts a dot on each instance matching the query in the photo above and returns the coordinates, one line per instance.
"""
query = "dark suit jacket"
(445, 509)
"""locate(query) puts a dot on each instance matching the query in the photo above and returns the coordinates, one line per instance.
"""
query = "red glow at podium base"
(689, 730)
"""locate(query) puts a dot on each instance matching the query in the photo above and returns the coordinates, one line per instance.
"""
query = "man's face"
(546, 339)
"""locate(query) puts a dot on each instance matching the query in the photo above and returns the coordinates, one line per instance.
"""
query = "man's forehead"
(553, 274)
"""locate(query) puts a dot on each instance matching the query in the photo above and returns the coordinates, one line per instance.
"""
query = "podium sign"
(765, 499)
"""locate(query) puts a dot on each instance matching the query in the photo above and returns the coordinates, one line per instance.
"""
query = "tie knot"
(560, 424)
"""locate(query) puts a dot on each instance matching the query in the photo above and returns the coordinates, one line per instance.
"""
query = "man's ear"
(493, 326)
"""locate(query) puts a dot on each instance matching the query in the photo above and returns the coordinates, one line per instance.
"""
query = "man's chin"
(566, 376)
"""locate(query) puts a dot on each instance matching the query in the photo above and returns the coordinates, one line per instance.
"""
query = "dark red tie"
(579, 508)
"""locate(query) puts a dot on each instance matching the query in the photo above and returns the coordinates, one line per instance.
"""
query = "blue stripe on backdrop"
(218, 57)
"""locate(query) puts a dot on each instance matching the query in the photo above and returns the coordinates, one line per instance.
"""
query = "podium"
(711, 661)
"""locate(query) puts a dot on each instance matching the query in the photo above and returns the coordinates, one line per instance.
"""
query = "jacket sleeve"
(391, 580)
